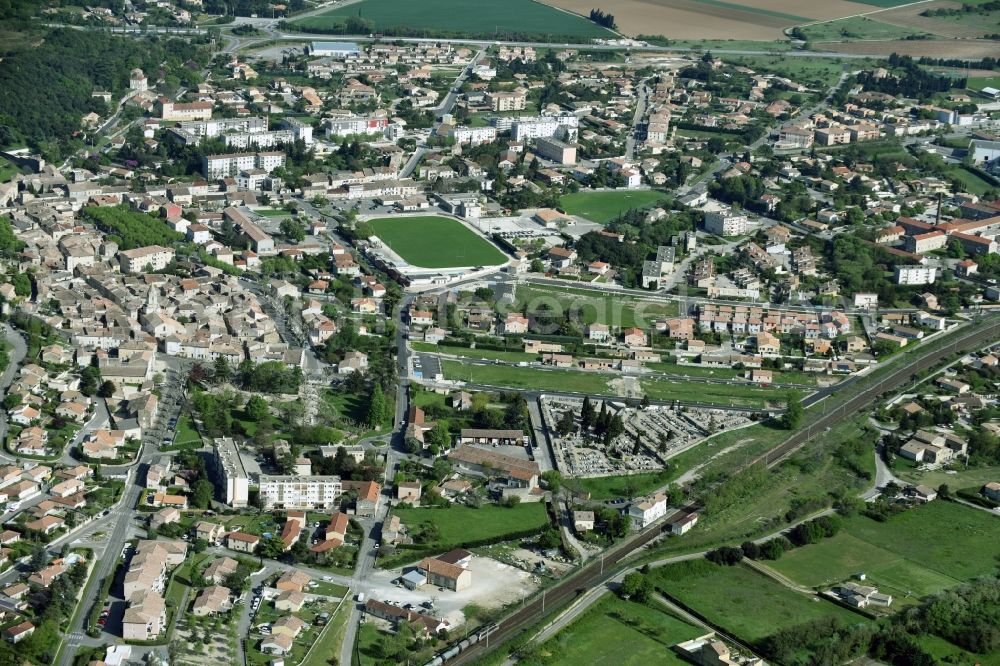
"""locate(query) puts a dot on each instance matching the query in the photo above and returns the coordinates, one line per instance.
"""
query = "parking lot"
(494, 584)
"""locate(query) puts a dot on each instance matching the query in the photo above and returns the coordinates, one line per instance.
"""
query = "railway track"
(595, 573)
(981, 335)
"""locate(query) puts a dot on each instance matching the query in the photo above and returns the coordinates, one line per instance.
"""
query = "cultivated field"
(920, 552)
(431, 241)
(857, 28)
(473, 17)
(740, 600)
(599, 636)
(932, 48)
(602, 207)
(716, 19)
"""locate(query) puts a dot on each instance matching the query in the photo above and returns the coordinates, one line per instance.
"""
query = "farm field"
(591, 307)
(471, 17)
(461, 524)
(967, 25)
(715, 19)
(599, 635)
(844, 555)
(741, 601)
(602, 207)
(932, 48)
(945, 537)
(432, 241)
(856, 28)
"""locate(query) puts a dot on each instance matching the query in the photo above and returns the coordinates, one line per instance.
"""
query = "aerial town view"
(499, 332)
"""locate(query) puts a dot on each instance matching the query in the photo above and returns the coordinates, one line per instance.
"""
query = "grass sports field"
(602, 207)
(599, 635)
(741, 601)
(921, 551)
(432, 241)
(462, 524)
(473, 17)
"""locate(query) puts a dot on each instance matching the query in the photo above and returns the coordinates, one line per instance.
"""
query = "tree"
(636, 587)
(566, 423)
(376, 408)
(292, 229)
(39, 557)
(272, 548)
(586, 414)
(726, 555)
(257, 409)
(222, 370)
(553, 479)
(792, 418)
(202, 493)
(107, 389)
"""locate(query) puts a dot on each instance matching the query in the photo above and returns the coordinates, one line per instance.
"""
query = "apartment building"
(222, 166)
(474, 135)
(726, 223)
(833, 136)
(915, 275)
(507, 100)
(556, 151)
(146, 616)
(300, 492)
(343, 126)
(235, 481)
(539, 127)
(138, 259)
(185, 111)
(928, 242)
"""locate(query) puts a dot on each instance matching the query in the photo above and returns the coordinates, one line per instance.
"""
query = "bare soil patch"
(697, 19)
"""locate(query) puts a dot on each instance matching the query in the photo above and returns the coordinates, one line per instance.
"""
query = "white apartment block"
(463, 134)
(349, 125)
(211, 128)
(915, 274)
(153, 256)
(259, 139)
(725, 223)
(300, 492)
(544, 127)
(235, 481)
(223, 166)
